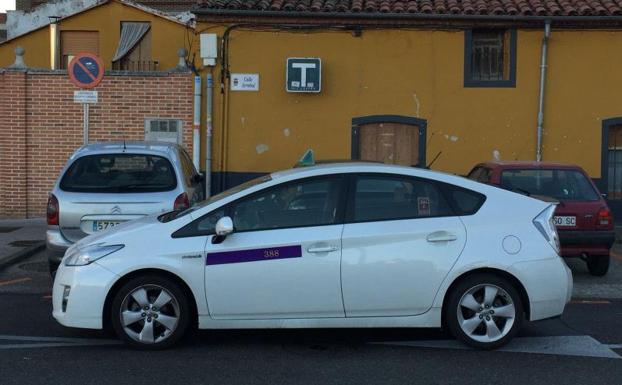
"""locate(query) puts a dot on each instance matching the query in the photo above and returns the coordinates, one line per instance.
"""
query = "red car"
(584, 221)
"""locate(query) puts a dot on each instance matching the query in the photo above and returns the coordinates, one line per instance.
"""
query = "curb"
(6, 261)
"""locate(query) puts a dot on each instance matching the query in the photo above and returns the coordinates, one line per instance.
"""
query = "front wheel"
(150, 312)
(598, 265)
(484, 311)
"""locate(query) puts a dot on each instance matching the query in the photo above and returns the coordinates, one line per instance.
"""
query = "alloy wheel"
(486, 313)
(149, 314)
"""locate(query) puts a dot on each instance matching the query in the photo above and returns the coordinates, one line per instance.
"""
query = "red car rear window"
(560, 184)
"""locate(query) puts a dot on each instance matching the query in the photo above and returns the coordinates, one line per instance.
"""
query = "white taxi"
(342, 245)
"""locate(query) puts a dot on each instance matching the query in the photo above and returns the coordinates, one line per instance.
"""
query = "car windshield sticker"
(424, 205)
(252, 255)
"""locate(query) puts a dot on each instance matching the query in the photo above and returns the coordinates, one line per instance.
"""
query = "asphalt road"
(583, 347)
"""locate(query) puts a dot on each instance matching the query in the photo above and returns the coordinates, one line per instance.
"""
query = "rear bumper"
(577, 243)
(548, 283)
(56, 245)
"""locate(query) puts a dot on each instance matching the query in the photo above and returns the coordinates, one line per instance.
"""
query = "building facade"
(445, 84)
(416, 82)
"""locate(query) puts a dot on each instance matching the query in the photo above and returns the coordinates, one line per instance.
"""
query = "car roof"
(528, 164)
(127, 146)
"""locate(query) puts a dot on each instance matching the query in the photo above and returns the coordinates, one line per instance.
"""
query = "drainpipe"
(54, 43)
(196, 136)
(208, 130)
(543, 67)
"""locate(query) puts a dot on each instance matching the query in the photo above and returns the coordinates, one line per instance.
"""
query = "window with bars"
(614, 173)
(490, 58)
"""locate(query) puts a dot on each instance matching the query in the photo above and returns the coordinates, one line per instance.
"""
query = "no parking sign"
(86, 70)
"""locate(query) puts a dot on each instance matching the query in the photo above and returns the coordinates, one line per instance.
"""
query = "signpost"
(86, 71)
(304, 74)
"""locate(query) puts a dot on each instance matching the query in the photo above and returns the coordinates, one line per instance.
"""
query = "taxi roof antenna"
(124, 148)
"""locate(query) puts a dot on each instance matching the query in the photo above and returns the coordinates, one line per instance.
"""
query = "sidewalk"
(20, 238)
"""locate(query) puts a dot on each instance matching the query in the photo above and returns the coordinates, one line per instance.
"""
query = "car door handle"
(321, 249)
(441, 236)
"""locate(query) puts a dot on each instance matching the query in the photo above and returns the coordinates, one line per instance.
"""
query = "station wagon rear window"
(558, 184)
(119, 173)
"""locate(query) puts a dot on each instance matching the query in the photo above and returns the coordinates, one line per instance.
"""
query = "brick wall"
(41, 126)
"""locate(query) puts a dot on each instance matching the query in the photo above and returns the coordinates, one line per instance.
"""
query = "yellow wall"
(419, 74)
(166, 36)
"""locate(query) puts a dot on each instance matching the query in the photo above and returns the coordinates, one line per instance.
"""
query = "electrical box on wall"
(209, 48)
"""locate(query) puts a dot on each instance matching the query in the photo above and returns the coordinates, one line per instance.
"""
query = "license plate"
(103, 225)
(565, 221)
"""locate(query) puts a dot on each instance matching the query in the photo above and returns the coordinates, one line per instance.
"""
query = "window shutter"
(74, 42)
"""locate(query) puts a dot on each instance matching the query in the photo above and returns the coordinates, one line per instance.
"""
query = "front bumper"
(89, 286)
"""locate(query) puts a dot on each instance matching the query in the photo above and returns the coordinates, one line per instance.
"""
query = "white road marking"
(582, 346)
(31, 342)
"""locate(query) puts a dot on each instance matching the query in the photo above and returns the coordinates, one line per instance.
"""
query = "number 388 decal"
(252, 255)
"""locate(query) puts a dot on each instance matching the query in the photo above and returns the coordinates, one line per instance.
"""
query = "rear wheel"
(150, 312)
(484, 311)
(598, 265)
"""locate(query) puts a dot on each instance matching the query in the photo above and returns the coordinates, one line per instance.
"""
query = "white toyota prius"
(342, 245)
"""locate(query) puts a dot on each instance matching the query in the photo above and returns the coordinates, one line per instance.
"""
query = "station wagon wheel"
(484, 311)
(150, 312)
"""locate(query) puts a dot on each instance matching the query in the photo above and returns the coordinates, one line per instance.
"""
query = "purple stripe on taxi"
(240, 256)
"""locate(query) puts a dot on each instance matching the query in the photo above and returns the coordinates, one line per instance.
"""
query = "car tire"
(598, 265)
(484, 311)
(151, 312)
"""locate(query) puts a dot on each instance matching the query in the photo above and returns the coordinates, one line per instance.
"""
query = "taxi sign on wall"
(304, 74)
(86, 70)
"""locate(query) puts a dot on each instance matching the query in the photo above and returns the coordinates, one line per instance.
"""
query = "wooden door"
(392, 143)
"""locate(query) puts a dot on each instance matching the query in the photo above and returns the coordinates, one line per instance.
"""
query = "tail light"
(544, 223)
(52, 210)
(181, 202)
(604, 218)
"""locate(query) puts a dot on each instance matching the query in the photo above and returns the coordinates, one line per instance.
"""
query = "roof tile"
(454, 7)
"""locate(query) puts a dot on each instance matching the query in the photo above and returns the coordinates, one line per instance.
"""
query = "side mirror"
(604, 195)
(224, 226)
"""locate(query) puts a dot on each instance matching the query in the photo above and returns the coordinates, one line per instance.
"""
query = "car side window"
(480, 174)
(463, 201)
(187, 168)
(308, 202)
(379, 198)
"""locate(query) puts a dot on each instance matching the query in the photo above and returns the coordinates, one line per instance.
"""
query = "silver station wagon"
(105, 184)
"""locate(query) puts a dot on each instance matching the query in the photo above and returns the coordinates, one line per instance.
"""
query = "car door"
(399, 242)
(283, 258)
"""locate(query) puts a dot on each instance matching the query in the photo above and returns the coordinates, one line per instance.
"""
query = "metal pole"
(85, 119)
(208, 136)
(543, 68)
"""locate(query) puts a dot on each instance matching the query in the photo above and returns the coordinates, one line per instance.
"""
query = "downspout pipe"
(543, 68)
(208, 130)
(196, 136)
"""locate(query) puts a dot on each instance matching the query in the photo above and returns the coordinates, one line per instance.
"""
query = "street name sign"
(244, 82)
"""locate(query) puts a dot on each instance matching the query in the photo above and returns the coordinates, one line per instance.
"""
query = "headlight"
(87, 254)
(544, 223)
